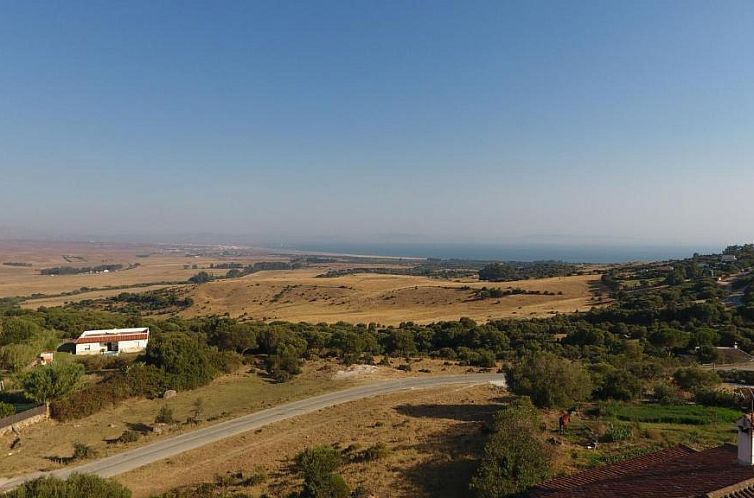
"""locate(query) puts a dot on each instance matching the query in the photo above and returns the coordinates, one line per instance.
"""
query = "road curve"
(159, 450)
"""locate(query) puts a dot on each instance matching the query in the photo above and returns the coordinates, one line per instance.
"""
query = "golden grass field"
(227, 396)
(387, 299)
(293, 295)
(162, 264)
(434, 437)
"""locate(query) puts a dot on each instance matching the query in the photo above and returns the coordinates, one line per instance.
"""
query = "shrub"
(284, 363)
(165, 415)
(694, 378)
(550, 381)
(712, 397)
(664, 393)
(317, 466)
(52, 381)
(82, 451)
(376, 452)
(618, 384)
(129, 436)
(515, 457)
(6, 409)
(76, 486)
(90, 400)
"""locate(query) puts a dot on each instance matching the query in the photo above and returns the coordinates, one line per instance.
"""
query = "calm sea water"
(514, 252)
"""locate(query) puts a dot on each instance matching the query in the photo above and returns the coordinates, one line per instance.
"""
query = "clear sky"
(380, 120)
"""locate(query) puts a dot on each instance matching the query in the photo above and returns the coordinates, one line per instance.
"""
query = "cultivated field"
(387, 299)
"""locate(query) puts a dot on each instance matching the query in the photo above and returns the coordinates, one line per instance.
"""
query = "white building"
(113, 341)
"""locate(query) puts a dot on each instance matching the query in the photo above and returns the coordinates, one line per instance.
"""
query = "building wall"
(123, 347)
(132, 346)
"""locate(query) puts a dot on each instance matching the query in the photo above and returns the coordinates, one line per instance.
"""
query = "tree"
(550, 381)
(317, 465)
(16, 357)
(52, 381)
(669, 339)
(695, 379)
(620, 384)
(183, 358)
(497, 272)
(19, 330)
(200, 278)
(515, 456)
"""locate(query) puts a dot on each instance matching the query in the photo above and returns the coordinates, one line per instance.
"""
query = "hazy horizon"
(572, 124)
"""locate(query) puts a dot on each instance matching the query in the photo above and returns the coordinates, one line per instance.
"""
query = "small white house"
(113, 341)
(728, 258)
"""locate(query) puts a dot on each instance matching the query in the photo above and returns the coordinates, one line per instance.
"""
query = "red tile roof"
(676, 472)
(140, 336)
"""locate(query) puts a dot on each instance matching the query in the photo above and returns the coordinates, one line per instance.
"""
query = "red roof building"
(679, 472)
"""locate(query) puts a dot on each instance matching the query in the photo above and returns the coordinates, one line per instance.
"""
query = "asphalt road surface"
(138, 457)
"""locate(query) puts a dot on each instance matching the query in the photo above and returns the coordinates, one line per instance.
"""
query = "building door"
(112, 347)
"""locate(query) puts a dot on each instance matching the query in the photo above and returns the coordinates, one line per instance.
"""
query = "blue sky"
(614, 122)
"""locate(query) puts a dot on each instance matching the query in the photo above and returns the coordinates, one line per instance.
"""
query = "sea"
(513, 252)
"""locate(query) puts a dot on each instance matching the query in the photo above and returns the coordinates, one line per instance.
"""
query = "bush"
(52, 381)
(284, 363)
(76, 486)
(200, 278)
(317, 466)
(550, 381)
(129, 436)
(376, 452)
(6, 409)
(664, 393)
(165, 415)
(694, 378)
(515, 456)
(618, 384)
(712, 397)
(91, 399)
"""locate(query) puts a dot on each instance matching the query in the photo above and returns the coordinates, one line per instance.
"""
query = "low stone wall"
(24, 419)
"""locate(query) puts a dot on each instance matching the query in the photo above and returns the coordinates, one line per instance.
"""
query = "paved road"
(138, 457)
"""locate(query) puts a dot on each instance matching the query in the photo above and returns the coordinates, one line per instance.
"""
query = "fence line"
(18, 417)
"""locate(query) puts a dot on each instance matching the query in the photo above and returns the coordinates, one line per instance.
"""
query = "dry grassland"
(295, 295)
(228, 396)
(387, 299)
(161, 264)
(434, 438)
